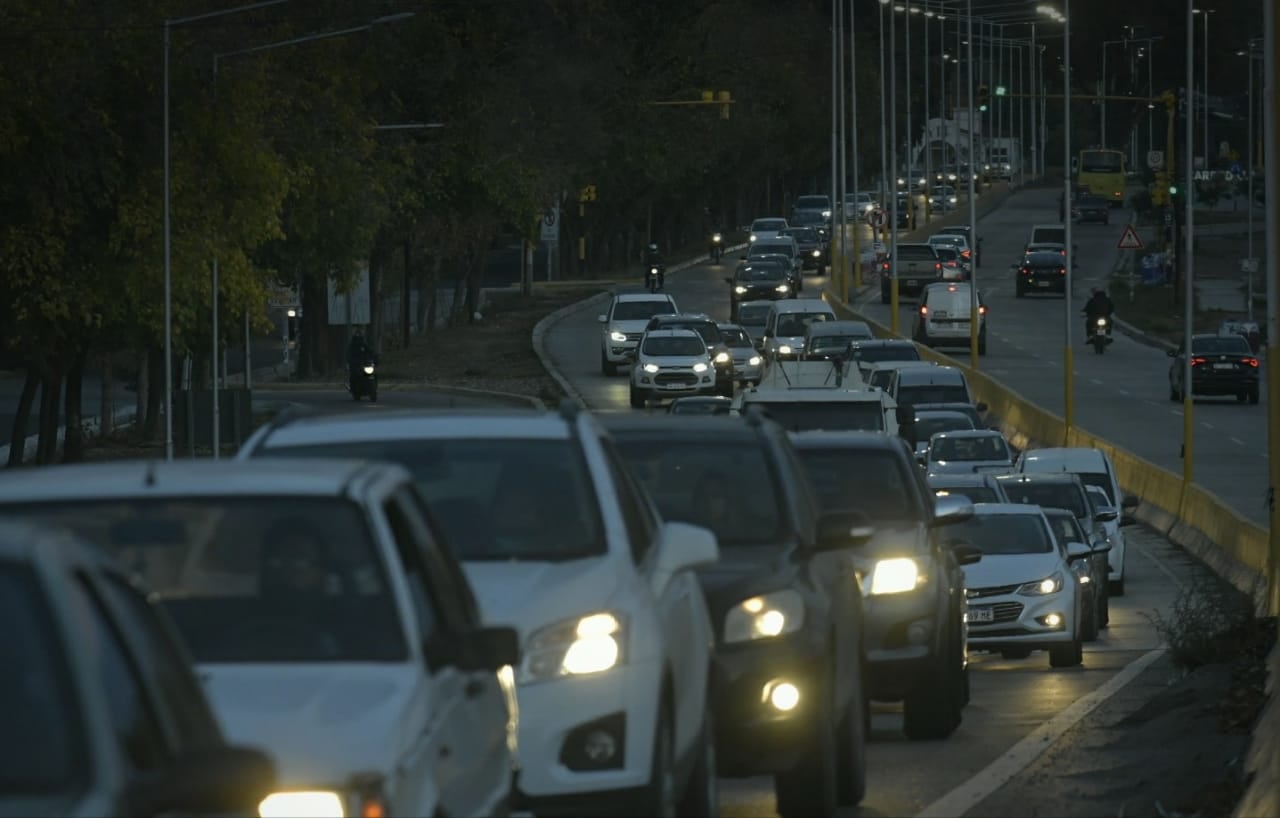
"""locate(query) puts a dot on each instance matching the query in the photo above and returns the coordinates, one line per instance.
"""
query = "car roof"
(909, 364)
(815, 439)
(424, 424)
(695, 426)
(661, 297)
(1039, 477)
(186, 478)
(1069, 459)
(697, 399)
(729, 325)
(930, 375)
(836, 327)
(942, 480)
(969, 433)
(802, 305)
(1026, 509)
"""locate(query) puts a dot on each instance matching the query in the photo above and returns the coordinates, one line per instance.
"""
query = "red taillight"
(1062, 270)
(937, 265)
(1197, 361)
(924, 310)
(1117, 194)
(965, 253)
(1253, 362)
(1026, 271)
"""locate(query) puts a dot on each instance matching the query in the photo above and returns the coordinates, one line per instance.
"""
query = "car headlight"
(1043, 587)
(314, 804)
(716, 238)
(368, 370)
(764, 617)
(826, 214)
(817, 253)
(785, 349)
(753, 237)
(618, 336)
(1102, 322)
(739, 289)
(699, 368)
(782, 288)
(651, 368)
(574, 647)
(894, 576)
(754, 360)
(723, 357)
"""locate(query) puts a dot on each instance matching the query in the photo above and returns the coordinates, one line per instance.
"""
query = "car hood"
(675, 360)
(995, 570)
(531, 595)
(970, 466)
(628, 326)
(741, 573)
(743, 354)
(321, 722)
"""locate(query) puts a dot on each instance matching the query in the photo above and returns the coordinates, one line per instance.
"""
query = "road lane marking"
(1123, 391)
(1095, 380)
(1206, 425)
(1237, 441)
(995, 775)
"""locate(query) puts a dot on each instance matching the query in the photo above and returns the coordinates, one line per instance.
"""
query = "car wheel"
(1089, 623)
(1069, 655)
(701, 797)
(607, 367)
(660, 794)
(809, 789)
(1015, 653)
(852, 786)
(637, 398)
(1116, 587)
(932, 711)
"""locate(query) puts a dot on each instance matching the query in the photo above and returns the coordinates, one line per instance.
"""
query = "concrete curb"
(544, 326)
(1142, 337)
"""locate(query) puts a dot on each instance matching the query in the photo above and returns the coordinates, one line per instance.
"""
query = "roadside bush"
(1208, 623)
(1141, 202)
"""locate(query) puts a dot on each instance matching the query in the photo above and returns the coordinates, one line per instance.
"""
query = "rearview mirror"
(1078, 550)
(1130, 502)
(682, 546)
(843, 529)
(966, 552)
(950, 510)
(603, 319)
(208, 781)
(1128, 520)
(1105, 514)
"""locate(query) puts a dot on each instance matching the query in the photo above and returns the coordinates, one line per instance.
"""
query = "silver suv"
(624, 322)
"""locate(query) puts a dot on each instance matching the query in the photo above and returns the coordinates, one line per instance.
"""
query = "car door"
(472, 762)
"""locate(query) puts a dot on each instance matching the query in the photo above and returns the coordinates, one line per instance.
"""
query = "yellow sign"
(587, 194)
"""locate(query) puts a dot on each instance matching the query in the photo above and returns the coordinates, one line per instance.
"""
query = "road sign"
(1155, 159)
(1129, 239)
(551, 225)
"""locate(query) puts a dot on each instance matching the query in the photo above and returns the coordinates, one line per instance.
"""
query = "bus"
(1102, 172)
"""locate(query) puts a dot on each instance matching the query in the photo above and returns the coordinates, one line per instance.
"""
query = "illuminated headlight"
(1048, 585)
(817, 253)
(894, 576)
(1102, 322)
(368, 370)
(699, 368)
(753, 237)
(739, 289)
(754, 360)
(574, 647)
(826, 214)
(764, 617)
(785, 350)
(723, 358)
(653, 270)
(782, 288)
(619, 337)
(650, 368)
(716, 238)
(316, 804)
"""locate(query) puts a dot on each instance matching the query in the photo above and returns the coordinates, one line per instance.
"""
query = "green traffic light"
(982, 108)
(1173, 190)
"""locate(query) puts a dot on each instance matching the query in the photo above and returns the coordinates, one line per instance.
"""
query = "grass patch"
(1157, 310)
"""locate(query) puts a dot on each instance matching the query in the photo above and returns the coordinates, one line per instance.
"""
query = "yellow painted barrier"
(1193, 517)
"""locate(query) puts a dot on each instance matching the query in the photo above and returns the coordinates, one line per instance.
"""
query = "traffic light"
(983, 97)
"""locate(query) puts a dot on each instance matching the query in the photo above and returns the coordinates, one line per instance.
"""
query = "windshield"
(794, 324)
(917, 253)
(806, 235)
(640, 310)
(988, 447)
(873, 481)
(736, 338)
(1004, 533)
(1065, 528)
(1101, 162)
(725, 486)
(886, 352)
(1044, 259)
(494, 499)
(762, 271)
(1065, 496)
(927, 427)
(880, 378)
(947, 253)
(686, 345)
(769, 248)
(836, 416)
(768, 225)
(1226, 345)
(754, 313)
(43, 751)
(809, 217)
(252, 579)
(976, 494)
(933, 393)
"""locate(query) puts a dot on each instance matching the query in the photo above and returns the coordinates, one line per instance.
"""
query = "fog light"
(784, 696)
(599, 746)
(1053, 620)
(918, 633)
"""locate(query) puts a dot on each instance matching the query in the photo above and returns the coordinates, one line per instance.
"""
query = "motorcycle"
(717, 247)
(1100, 334)
(655, 279)
(364, 381)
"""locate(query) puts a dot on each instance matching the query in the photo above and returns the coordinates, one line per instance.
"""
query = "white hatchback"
(943, 318)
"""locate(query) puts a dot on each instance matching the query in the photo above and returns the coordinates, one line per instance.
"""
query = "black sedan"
(1040, 272)
(765, 280)
(1091, 209)
(813, 249)
(1220, 365)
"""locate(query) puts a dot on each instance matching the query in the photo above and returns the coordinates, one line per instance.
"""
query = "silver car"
(747, 361)
(969, 452)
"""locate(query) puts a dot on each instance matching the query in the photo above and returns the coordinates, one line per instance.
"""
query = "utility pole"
(1271, 102)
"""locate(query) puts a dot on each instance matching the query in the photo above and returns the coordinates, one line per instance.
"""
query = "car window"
(736, 338)
(873, 481)
(1066, 496)
(724, 485)
(1066, 529)
(1102, 481)
(1004, 534)
(794, 324)
(976, 494)
(927, 427)
(932, 393)
(987, 447)
(426, 608)
(642, 528)
(917, 253)
(640, 310)
(44, 746)
(1224, 345)
(251, 579)
(137, 729)
(674, 345)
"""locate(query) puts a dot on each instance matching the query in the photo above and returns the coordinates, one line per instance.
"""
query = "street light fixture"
(1204, 90)
(1068, 357)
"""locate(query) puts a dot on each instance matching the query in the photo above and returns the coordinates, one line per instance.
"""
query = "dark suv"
(721, 355)
(788, 698)
(914, 606)
(813, 250)
(766, 279)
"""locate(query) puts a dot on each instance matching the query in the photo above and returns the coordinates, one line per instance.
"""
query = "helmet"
(653, 247)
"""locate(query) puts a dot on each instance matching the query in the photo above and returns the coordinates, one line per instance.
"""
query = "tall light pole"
(835, 130)
(1188, 264)
(894, 318)
(1204, 88)
(853, 150)
(928, 175)
(910, 172)
(1250, 55)
(1270, 106)
(975, 317)
(169, 25)
(1106, 87)
(1033, 68)
(842, 281)
(887, 188)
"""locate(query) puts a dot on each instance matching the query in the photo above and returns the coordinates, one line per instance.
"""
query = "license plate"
(979, 615)
(1042, 284)
(1224, 366)
(911, 282)
(940, 314)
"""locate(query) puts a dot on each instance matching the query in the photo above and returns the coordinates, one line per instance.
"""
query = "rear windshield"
(762, 271)
(771, 248)
(908, 252)
(1066, 496)
(887, 352)
(769, 224)
(987, 447)
(1049, 235)
(674, 345)
(976, 494)
(927, 427)
(725, 486)
(932, 393)
(1225, 345)
(1044, 259)
(1004, 533)
(840, 342)
(709, 331)
(873, 481)
(837, 416)
(1101, 162)
(640, 310)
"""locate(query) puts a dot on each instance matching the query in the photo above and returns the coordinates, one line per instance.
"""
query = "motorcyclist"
(711, 227)
(1098, 306)
(652, 259)
(358, 353)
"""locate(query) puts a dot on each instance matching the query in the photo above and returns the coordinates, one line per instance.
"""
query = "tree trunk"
(151, 376)
(50, 395)
(73, 437)
(22, 414)
(406, 293)
(106, 406)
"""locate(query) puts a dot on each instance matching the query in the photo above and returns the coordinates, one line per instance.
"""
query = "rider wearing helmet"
(1098, 306)
(653, 258)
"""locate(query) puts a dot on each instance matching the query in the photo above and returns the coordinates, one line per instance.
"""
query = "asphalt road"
(1122, 396)
(1010, 698)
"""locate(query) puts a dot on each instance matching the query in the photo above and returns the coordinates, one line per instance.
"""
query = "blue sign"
(1237, 168)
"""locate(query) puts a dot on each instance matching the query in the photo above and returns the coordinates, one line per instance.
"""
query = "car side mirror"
(950, 510)
(1128, 520)
(1078, 550)
(1106, 514)
(1101, 548)
(207, 781)
(843, 529)
(682, 546)
(603, 319)
(981, 407)
(1130, 502)
(966, 552)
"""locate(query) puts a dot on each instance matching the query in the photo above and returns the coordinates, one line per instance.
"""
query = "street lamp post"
(1033, 70)
(169, 25)
(910, 172)
(887, 189)
(842, 281)
(974, 307)
(928, 176)
(1188, 266)
(1249, 55)
(835, 130)
(853, 104)
(893, 164)
(1204, 88)
(1106, 87)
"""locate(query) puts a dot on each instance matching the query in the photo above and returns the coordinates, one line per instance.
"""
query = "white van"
(929, 384)
(944, 316)
(784, 330)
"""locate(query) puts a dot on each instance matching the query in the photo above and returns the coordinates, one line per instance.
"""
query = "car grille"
(634, 336)
(1003, 612)
(675, 378)
(997, 590)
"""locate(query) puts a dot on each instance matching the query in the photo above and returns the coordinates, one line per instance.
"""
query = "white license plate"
(1042, 284)
(911, 282)
(940, 314)
(1224, 366)
(979, 615)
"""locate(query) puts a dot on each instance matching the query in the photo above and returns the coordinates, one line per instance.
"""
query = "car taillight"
(1026, 271)
(1253, 362)
(1062, 270)
(937, 265)
(924, 310)
(1197, 361)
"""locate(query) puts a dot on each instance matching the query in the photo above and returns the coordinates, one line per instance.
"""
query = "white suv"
(558, 540)
(624, 323)
(329, 624)
(671, 363)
